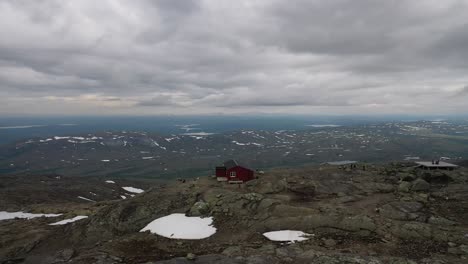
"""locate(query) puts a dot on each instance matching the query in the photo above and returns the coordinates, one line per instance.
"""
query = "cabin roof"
(230, 164)
(441, 164)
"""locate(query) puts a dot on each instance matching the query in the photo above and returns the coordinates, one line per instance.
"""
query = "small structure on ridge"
(436, 165)
(232, 172)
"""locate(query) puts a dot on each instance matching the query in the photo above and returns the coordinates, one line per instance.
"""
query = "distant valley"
(192, 153)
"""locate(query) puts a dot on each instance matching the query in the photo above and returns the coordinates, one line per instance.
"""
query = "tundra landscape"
(233, 132)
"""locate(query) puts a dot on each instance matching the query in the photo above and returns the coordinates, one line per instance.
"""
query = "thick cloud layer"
(222, 56)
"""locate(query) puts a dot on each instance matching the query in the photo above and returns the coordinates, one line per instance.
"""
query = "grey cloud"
(222, 56)
(162, 100)
(462, 92)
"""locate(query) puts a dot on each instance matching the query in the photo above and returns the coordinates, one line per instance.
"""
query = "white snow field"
(12, 215)
(71, 220)
(179, 226)
(133, 189)
(286, 236)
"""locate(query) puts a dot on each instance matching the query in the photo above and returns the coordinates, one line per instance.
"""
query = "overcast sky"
(224, 56)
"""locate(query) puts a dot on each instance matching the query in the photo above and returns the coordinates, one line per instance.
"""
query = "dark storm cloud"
(340, 56)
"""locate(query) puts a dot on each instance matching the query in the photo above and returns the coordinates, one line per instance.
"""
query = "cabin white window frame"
(232, 174)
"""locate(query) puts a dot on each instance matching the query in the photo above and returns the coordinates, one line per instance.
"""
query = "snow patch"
(286, 236)
(133, 189)
(110, 181)
(246, 144)
(59, 138)
(170, 139)
(179, 226)
(12, 215)
(71, 220)
(84, 198)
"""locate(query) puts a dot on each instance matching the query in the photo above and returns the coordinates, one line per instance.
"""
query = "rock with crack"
(404, 211)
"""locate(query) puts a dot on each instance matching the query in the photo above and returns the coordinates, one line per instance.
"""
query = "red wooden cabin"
(232, 172)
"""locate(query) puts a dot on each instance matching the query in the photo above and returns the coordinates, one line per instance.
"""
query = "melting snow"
(246, 144)
(86, 199)
(170, 139)
(123, 197)
(133, 189)
(286, 236)
(179, 226)
(110, 181)
(71, 220)
(59, 138)
(157, 144)
(12, 215)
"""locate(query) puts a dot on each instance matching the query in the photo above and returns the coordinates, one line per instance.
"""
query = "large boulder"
(437, 177)
(404, 186)
(420, 185)
(405, 176)
(357, 224)
(200, 208)
(268, 187)
(304, 189)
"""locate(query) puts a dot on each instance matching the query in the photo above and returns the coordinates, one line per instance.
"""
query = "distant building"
(232, 172)
(436, 165)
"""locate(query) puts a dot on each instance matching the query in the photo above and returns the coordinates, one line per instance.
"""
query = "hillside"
(391, 213)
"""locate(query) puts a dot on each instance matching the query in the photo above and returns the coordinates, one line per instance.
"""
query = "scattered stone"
(268, 249)
(401, 210)
(232, 251)
(330, 243)
(254, 197)
(441, 221)
(404, 186)
(464, 249)
(421, 197)
(64, 255)
(191, 256)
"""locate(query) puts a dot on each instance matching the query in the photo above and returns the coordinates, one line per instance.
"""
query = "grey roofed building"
(436, 165)
(230, 164)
